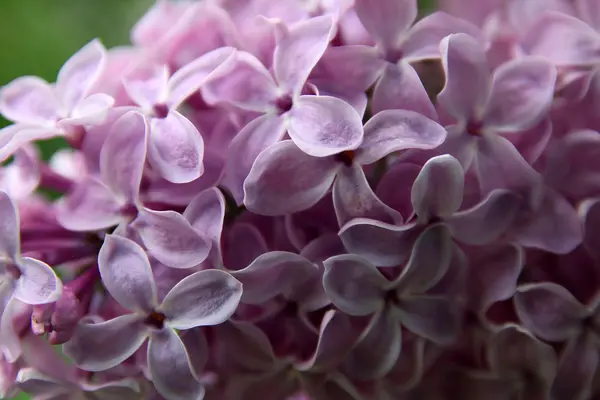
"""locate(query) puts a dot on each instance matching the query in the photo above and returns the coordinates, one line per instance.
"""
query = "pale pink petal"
(14, 137)
(80, 73)
(176, 148)
(549, 311)
(386, 20)
(354, 198)
(126, 274)
(206, 214)
(123, 156)
(204, 298)
(589, 10)
(299, 49)
(29, 99)
(10, 245)
(13, 311)
(400, 88)
(98, 347)
(468, 78)
(150, 91)
(284, 179)
(38, 283)
(522, 91)
(322, 126)
(394, 130)
(91, 110)
(171, 239)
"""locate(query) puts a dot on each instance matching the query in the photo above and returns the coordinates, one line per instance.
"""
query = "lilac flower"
(358, 288)
(203, 298)
(42, 111)
(284, 169)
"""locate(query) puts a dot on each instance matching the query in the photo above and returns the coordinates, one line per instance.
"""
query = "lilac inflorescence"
(309, 200)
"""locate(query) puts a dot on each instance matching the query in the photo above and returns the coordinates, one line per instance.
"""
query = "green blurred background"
(38, 36)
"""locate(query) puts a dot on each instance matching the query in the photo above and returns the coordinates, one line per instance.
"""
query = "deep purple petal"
(522, 91)
(354, 198)
(576, 370)
(273, 273)
(299, 49)
(438, 189)
(29, 99)
(393, 130)
(204, 298)
(468, 79)
(126, 274)
(171, 239)
(435, 318)
(284, 179)
(323, 126)
(38, 283)
(400, 88)
(386, 20)
(176, 148)
(549, 311)
(123, 156)
(353, 285)
(170, 367)
(97, 347)
(80, 73)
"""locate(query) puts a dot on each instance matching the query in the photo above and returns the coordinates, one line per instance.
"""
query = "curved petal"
(323, 126)
(126, 274)
(176, 148)
(204, 298)
(169, 366)
(401, 88)
(486, 221)
(514, 350)
(468, 78)
(244, 148)
(353, 285)
(123, 156)
(438, 189)
(39, 384)
(393, 130)
(206, 214)
(246, 345)
(428, 263)
(382, 244)
(299, 49)
(423, 39)
(10, 242)
(354, 198)
(38, 283)
(29, 99)
(493, 275)
(91, 110)
(549, 311)
(16, 136)
(247, 85)
(563, 39)
(522, 91)
(171, 239)
(284, 179)
(151, 90)
(386, 20)
(80, 72)
(98, 347)
(90, 206)
(336, 338)
(273, 273)
(126, 388)
(13, 312)
(576, 370)
(378, 350)
(435, 318)
(192, 76)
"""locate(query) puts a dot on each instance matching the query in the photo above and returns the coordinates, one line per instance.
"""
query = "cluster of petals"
(309, 200)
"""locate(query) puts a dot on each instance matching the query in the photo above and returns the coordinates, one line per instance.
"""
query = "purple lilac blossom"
(309, 200)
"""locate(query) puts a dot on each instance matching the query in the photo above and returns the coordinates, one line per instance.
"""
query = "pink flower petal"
(38, 283)
(29, 99)
(386, 20)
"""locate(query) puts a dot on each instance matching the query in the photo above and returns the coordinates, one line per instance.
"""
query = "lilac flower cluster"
(327, 199)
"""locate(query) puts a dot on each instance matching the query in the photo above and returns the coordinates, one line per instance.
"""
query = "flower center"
(284, 103)
(13, 271)
(346, 157)
(474, 128)
(160, 110)
(155, 320)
